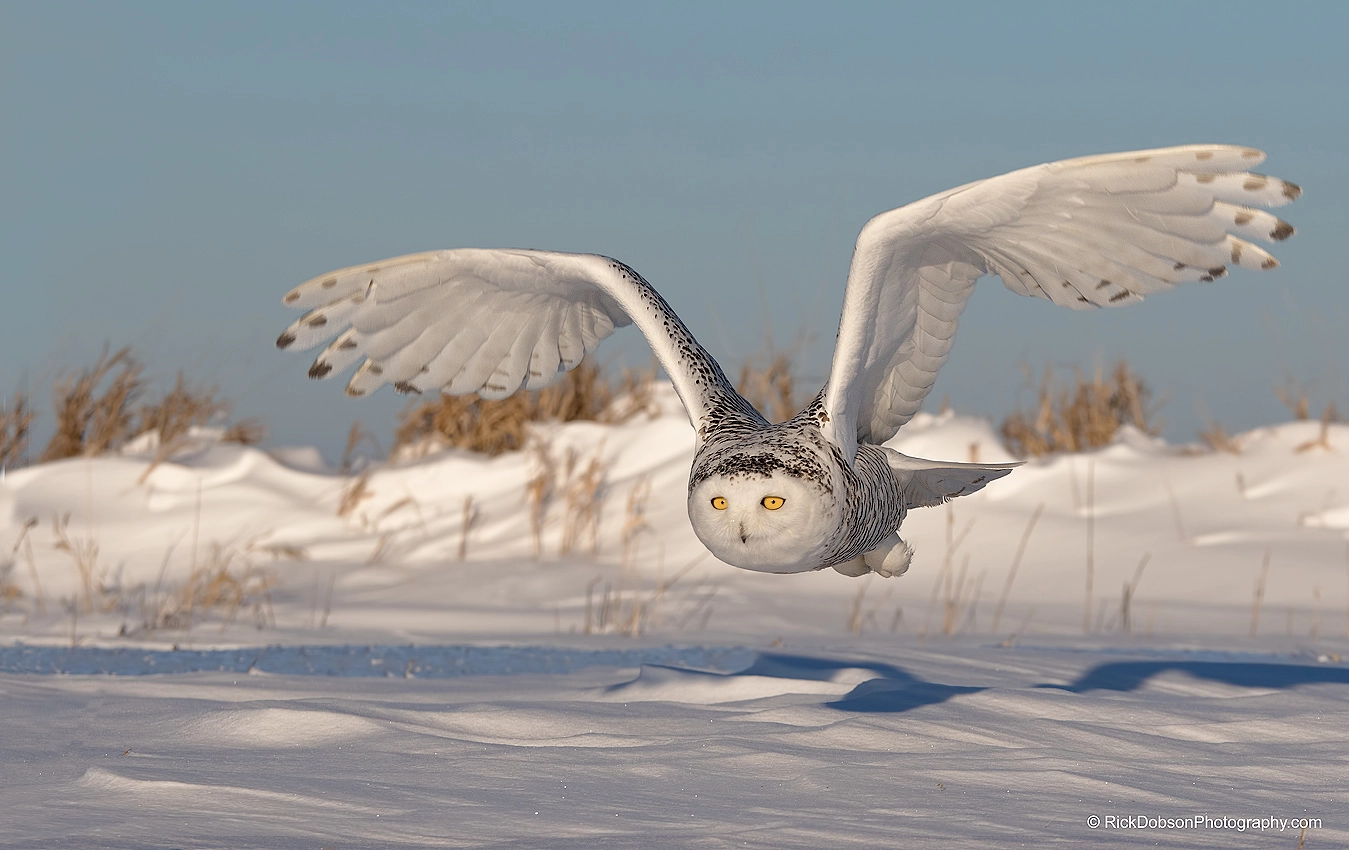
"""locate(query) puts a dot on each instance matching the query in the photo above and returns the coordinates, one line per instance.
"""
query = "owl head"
(773, 522)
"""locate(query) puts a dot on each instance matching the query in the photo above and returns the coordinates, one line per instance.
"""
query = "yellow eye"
(719, 503)
(773, 502)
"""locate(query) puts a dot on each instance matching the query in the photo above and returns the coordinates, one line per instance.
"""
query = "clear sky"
(170, 170)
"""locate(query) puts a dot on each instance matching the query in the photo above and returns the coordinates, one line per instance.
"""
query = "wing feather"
(490, 321)
(544, 360)
(449, 361)
(511, 372)
(1097, 231)
(570, 342)
(340, 353)
(483, 360)
(405, 364)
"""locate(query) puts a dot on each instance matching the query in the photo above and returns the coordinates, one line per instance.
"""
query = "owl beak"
(744, 537)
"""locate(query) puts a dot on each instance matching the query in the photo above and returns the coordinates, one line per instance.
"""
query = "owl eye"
(719, 503)
(773, 502)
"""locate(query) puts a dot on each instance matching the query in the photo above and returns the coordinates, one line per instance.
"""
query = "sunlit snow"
(1171, 644)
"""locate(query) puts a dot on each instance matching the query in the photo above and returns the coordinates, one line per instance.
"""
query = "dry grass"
(1016, 564)
(226, 582)
(634, 520)
(959, 592)
(493, 427)
(1293, 395)
(1129, 593)
(1217, 439)
(469, 517)
(356, 491)
(1091, 545)
(1084, 415)
(9, 590)
(586, 488)
(633, 613)
(90, 422)
(224, 585)
(221, 586)
(99, 409)
(83, 553)
(355, 437)
(25, 544)
(1322, 441)
(767, 381)
(172, 418)
(582, 488)
(174, 415)
(245, 432)
(539, 491)
(16, 420)
(1258, 596)
(858, 615)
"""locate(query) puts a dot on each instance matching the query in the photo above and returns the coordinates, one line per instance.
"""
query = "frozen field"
(964, 744)
(240, 649)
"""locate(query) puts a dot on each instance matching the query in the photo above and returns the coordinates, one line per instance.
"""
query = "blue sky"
(170, 170)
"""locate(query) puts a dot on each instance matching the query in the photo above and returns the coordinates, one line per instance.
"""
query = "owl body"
(783, 499)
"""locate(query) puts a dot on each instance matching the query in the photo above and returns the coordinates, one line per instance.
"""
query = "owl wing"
(491, 322)
(1099, 231)
(926, 483)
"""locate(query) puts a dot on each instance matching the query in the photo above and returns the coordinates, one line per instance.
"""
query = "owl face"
(774, 523)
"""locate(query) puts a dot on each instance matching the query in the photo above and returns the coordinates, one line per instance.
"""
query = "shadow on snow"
(893, 690)
(889, 688)
(1131, 675)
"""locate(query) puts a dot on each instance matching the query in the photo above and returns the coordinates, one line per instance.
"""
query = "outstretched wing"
(491, 322)
(1098, 231)
(927, 483)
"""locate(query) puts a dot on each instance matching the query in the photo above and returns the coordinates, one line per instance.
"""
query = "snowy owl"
(819, 490)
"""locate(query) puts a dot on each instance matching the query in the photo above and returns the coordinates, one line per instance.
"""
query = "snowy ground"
(1169, 643)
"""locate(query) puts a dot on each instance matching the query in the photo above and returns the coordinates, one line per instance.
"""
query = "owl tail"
(891, 558)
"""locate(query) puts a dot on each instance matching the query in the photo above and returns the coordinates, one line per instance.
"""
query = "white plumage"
(1097, 231)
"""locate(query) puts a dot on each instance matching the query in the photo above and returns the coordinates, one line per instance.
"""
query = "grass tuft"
(245, 432)
(1217, 439)
(1293, 395)
(1084, 415)
(98, 410)
(9, 590)
(83, 553)
(586, 488)
(539, 491)
(582, 487)
(767, 381)
(216, 586)
(90, 422)
(629, 611)
(494, 427)
(1322, 441)
(172, 418)
(16, 420)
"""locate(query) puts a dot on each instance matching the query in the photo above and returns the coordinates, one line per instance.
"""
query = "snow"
(1169, 643)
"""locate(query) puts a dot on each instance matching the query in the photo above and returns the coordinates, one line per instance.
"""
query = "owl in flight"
(819, 490)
